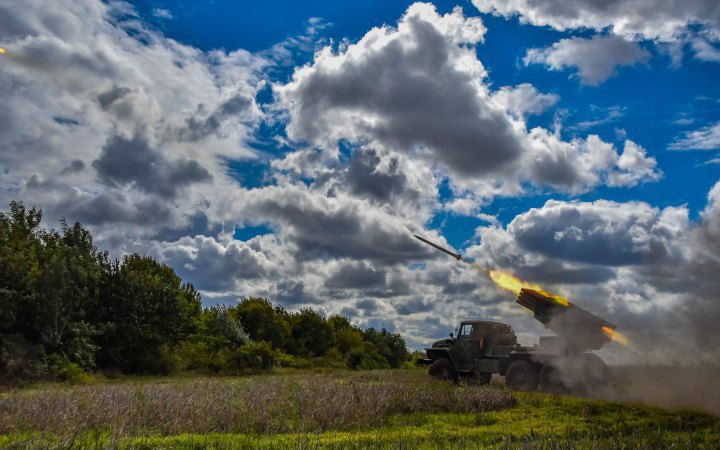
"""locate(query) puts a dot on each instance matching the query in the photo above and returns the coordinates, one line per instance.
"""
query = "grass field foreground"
(378, 409)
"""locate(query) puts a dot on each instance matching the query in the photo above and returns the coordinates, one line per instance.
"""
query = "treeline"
(66, 309)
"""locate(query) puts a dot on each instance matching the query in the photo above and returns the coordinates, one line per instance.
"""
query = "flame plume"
(616, 336)
(514, 284)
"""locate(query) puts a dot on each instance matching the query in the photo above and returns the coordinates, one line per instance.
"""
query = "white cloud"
(595, 59)
(706, 138)
(162, 13)
(634, 167)
(663, 20)
(524, 99)
(582, 164)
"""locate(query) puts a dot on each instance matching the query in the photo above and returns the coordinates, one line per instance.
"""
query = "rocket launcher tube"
(579, 328)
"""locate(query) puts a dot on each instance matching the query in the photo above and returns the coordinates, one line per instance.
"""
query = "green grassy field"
(378, 409)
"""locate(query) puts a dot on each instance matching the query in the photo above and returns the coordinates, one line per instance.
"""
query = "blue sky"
(644, 101)
(291, 149)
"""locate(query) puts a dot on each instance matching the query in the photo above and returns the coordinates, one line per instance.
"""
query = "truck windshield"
(466, 330)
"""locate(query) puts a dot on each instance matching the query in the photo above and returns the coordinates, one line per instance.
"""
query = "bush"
(255, 355)
(63, 370)
(366, 357)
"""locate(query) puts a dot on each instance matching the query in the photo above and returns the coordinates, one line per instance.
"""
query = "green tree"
(263, 322)
(390, 345)
(146, 311)
(20, 245)
(311, 332)
(49, 283)
(346, 336)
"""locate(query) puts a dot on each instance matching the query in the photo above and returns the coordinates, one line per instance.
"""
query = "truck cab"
(463, 355)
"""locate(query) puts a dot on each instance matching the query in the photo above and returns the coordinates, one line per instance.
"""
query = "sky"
(291, 149)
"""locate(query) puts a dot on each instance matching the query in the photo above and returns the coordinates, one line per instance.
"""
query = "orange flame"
(616, 336)
(514, 284)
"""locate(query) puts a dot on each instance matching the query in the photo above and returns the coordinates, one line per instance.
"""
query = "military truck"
(558, 363)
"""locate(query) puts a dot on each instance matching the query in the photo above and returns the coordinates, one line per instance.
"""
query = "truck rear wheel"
(522, 376)
(443, 369)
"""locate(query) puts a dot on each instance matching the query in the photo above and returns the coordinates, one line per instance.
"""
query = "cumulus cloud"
(420, 90)
(602, 232)
(411, 87)
(582, 164)
(595, 59)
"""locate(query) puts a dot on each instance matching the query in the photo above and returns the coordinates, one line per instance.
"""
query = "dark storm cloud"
(413, 85)
(356, 275)
(132, 162)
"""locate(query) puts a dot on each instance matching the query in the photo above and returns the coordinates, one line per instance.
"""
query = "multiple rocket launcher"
(576, 327)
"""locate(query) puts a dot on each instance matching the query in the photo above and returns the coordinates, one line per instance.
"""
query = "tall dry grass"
(270, 404)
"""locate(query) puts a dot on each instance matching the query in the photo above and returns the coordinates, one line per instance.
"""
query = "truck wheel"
(522, 376)
(442, 369)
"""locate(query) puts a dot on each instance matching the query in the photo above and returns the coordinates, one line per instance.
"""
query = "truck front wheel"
(522, 376)
(443, 369)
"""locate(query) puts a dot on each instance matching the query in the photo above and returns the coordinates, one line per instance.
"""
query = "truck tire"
(443, 369)
(522, 376)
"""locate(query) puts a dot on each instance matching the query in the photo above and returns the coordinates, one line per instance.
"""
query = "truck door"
(467, 347)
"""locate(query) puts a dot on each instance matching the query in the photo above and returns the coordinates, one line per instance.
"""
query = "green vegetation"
(67, 310)
(337, 409)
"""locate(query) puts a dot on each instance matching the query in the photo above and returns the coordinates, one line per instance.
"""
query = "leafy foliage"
(65, 309)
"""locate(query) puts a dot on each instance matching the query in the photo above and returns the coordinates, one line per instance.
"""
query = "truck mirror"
(452, 335)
